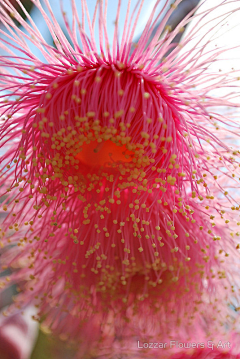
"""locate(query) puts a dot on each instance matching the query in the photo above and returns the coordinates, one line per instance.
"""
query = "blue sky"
(112, 9)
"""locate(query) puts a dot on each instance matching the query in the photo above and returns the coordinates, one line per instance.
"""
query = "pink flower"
(19, 6)
(118, 175)
(17, 335)
(206, 354)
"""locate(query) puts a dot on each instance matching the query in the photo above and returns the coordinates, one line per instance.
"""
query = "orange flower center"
(104, 153)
